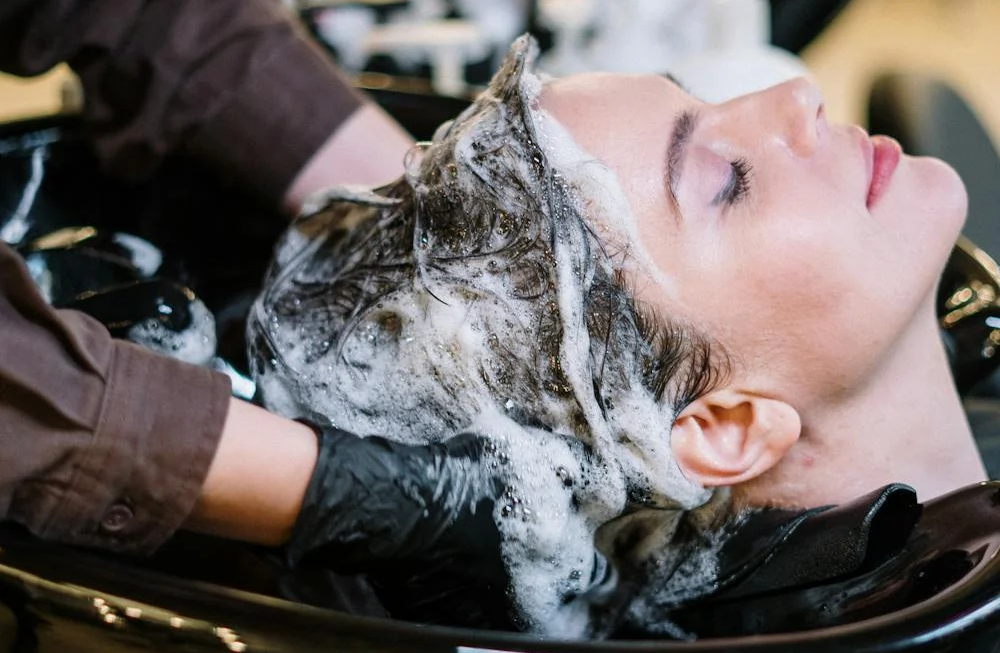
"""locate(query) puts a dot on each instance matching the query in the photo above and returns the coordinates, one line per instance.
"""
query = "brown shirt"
(103, 443)
(233, 81)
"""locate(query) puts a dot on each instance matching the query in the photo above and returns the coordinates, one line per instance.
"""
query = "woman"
(634, 298)
(776, 232)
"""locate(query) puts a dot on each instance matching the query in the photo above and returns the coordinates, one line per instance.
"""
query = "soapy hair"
(472, 292)
(478, 218)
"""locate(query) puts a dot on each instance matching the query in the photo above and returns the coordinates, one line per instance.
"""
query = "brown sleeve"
(235, 82)
(102, 443)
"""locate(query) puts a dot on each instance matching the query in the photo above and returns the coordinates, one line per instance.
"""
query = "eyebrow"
(684, 126)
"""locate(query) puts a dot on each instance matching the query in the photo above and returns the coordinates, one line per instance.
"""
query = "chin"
(940, 191)
(917, 222)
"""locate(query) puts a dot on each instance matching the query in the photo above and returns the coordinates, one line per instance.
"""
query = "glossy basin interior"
(201, 594)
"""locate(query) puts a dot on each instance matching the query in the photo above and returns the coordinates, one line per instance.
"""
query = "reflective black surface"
(215, 239)
(941, 593)
(969, 310)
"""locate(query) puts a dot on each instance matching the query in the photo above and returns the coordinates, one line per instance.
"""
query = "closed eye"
(738, 185)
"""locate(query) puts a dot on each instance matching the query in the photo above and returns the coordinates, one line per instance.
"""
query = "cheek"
(788, 291)
(784, 263)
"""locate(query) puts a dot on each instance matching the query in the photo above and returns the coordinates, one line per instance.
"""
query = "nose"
(793, 112)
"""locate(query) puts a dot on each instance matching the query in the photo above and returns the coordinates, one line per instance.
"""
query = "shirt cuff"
(157, 434)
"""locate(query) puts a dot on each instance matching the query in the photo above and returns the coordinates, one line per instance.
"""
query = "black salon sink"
(54, 598)
(209, 595)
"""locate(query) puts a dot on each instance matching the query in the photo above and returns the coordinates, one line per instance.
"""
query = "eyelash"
(738, 185)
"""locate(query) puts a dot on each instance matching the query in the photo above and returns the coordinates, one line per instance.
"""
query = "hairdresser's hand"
(374, 504)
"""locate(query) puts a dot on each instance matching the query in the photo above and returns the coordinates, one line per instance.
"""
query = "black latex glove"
(375, 505)
(422, 523)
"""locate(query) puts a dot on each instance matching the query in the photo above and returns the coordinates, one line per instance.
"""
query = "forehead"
(606, 100)
(624, 121)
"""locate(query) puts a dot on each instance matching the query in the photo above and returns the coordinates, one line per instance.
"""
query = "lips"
(885, 157)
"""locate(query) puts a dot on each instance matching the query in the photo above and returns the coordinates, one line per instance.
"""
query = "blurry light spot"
(960, 297)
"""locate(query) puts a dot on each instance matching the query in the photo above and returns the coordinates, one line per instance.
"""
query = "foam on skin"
(399, 316)
(596, 182)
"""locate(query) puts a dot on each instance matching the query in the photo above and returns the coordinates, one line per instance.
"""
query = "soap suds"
(472, 296)
(195, 344)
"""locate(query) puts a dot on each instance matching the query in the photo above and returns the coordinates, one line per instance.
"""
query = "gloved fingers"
(371, 499)
(353, 507)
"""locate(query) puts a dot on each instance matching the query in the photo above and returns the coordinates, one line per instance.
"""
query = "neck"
(906, 425)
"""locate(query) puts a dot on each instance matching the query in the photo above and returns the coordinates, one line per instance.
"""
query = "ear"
(728, 436)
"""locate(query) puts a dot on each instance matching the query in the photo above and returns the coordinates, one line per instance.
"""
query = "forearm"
(258, 478)
(366, 149)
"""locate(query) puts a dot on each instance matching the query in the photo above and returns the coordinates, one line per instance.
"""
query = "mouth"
(884, 155)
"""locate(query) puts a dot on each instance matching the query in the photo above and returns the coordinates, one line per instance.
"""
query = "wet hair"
(472, 294)
(481, 217)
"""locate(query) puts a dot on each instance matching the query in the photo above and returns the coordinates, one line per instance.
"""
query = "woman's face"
(759, 222)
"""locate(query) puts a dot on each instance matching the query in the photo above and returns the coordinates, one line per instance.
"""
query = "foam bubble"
(431, 357)
(195, 344)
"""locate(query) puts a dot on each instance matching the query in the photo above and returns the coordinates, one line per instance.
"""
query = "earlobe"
(728, 437)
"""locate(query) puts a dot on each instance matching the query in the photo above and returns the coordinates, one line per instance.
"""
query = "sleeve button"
(116, 518)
